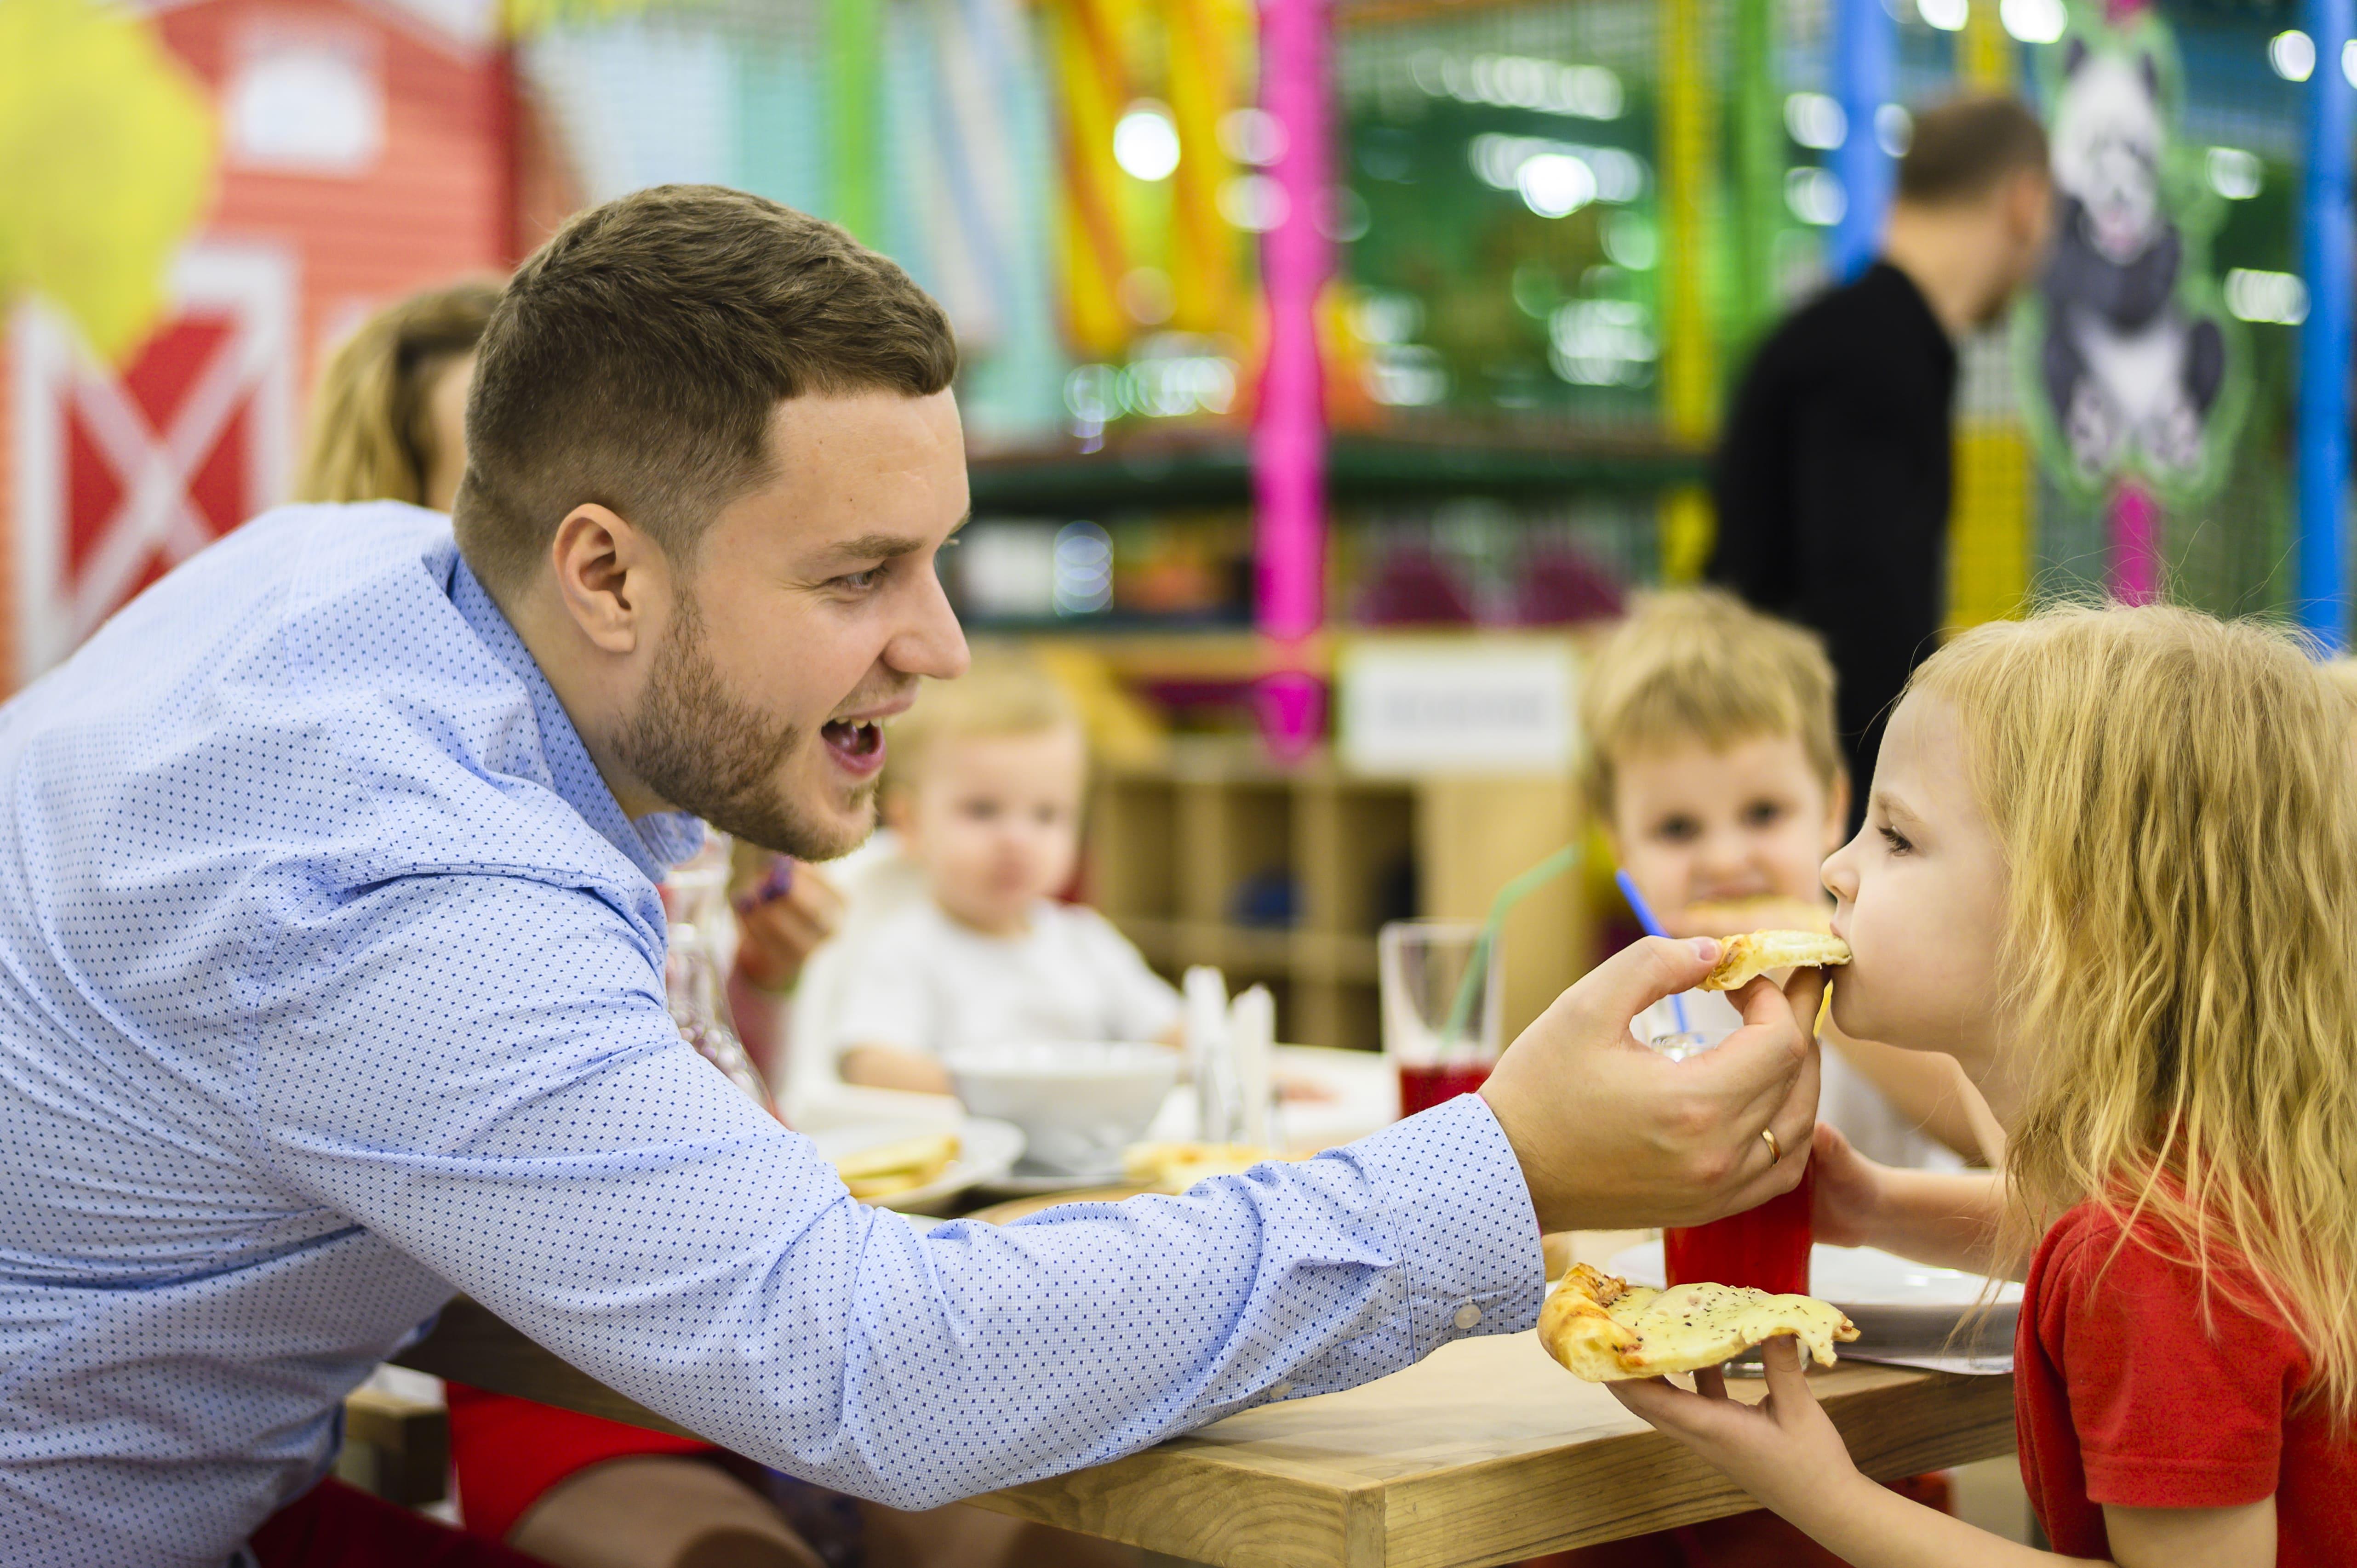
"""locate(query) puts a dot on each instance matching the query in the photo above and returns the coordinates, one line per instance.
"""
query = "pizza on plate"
(1175, 1167)
(1605, 1330)
(1757, 952)
(902, 1165)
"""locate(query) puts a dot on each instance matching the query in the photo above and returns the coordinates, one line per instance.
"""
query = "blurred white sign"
(1425, 707)
(305, 104)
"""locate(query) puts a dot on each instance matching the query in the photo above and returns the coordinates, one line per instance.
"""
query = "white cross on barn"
(121, 473)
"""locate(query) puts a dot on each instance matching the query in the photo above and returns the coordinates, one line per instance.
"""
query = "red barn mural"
(366, 150)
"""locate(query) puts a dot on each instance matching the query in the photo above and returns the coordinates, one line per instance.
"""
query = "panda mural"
(2128, 363)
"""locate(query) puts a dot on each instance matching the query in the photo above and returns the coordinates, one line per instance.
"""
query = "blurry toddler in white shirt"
(984, 789)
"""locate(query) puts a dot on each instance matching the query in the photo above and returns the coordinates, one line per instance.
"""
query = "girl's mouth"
(857, 748)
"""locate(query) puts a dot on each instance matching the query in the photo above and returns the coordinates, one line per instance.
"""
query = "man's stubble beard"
(697, 747)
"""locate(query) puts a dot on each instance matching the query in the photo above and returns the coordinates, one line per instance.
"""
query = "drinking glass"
(696, 900)
(1421, 968)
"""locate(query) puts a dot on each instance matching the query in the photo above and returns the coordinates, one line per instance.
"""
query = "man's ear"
(609, 575)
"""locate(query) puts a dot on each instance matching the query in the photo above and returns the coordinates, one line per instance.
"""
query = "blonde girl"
(388, 418)
(2110, 865)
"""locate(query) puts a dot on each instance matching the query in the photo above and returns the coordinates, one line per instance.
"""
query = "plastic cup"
(1420, 971)
(1765, 1248)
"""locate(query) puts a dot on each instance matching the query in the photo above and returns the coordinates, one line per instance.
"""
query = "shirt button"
(1279, 1391)
(1468, 1316)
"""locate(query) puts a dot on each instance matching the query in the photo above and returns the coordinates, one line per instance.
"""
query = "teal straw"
(1512, 894)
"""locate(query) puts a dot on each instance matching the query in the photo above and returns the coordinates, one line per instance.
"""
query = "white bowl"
(1079, 1104)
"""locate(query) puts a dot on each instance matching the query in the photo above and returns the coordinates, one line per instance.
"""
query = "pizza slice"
(1757, 952)
(905, 1165)
(1606, 1329)
(1175, 1167)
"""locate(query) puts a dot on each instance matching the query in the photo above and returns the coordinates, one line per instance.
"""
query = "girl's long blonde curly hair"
(2174, 797)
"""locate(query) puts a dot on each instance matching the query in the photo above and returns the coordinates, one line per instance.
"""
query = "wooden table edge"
(1138, 1500)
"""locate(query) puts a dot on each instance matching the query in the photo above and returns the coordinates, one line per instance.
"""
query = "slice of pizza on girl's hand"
(1605, 1330)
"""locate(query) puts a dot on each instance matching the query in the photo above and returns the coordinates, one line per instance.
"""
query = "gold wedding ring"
(1775, 1150)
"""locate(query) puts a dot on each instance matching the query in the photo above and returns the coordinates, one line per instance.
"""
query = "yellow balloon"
(106, 163)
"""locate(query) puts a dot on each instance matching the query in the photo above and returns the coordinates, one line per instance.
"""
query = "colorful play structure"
(1304, 314)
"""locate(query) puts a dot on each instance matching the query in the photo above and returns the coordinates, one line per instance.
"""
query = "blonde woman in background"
(389, 417)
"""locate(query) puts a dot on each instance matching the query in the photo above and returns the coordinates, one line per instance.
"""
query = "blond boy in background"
(1713, 765)
(985, 790)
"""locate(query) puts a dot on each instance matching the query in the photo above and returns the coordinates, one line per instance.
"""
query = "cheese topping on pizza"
(1606, 1329)
(1757, 952)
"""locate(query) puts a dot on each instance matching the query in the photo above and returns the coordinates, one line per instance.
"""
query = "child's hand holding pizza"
(1784, 1450)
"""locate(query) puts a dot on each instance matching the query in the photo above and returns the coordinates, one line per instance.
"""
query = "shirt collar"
(654, 843)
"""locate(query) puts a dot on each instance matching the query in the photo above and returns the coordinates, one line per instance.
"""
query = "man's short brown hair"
(636, 360)
(1698, 665)
(1962, 148)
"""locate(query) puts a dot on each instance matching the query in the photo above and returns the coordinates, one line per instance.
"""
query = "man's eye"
(860, 582)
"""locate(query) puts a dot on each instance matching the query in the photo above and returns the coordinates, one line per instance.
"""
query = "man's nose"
(931, 642)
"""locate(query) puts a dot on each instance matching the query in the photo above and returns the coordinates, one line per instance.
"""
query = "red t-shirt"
(2120, 1397)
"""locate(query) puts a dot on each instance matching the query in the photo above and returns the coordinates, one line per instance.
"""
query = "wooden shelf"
(1212, 468)
(1254, 951)
(1174, 843)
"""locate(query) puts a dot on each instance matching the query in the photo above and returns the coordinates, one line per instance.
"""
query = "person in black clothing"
(1834, 474)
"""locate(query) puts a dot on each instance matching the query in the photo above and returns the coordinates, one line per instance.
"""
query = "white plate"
(1905, 1311)
(1848, 1277)
(987, 1150)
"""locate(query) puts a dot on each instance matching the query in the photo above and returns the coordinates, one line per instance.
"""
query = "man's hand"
(1611, 1135)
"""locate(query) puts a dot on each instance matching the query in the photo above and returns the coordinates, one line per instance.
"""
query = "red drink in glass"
(1765, 1248)
(1421, 1088)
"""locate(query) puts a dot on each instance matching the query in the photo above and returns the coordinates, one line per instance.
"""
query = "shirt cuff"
(1468, 1240)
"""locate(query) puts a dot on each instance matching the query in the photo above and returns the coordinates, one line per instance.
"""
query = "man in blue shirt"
(331, 969)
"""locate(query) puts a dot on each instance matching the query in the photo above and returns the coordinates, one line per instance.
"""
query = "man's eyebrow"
(883, 546)
(875, 547)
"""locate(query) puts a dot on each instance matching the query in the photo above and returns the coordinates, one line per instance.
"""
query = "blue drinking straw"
(1638, 906)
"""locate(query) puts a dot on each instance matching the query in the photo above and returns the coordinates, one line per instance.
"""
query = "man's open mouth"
(858, 747)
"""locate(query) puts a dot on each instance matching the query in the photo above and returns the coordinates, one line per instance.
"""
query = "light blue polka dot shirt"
(332, 980)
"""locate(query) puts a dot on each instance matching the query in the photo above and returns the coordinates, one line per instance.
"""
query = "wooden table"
(1485, 1453)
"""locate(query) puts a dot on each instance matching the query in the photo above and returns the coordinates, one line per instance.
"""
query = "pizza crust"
(1606, 1330)
(1756, 952)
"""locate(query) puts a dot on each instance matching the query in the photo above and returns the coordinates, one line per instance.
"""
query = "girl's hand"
(1851, 1189)
(1784, 1451)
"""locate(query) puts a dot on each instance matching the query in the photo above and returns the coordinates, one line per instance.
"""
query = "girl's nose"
(1839, 873)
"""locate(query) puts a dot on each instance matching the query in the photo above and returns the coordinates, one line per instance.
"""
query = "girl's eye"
(1895, 839)
(1677, 829)
(1762, 813)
